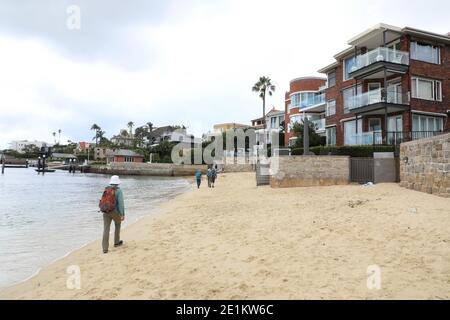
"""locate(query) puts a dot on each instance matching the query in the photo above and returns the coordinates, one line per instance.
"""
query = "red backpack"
(108, 201)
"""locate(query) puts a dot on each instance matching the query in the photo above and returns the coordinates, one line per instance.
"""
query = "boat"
(46, 170)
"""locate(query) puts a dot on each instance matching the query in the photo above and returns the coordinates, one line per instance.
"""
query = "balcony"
(319, 124)
(391, 137)
(371, 64)
(393, 100)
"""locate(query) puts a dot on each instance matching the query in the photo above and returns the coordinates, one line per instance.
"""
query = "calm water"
(42, 218)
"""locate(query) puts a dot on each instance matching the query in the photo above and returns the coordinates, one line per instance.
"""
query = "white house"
(20, 145)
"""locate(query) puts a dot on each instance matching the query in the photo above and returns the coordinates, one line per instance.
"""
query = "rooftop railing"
(381, 54)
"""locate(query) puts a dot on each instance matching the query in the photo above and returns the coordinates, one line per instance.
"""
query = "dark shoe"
(105, 251)
(118, 244)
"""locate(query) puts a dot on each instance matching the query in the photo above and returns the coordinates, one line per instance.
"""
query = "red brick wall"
(122, 159)
(417, 68)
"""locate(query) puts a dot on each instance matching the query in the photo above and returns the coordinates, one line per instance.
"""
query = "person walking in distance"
(113, 209)
(213, 176)
(209, 175)
(198, 178)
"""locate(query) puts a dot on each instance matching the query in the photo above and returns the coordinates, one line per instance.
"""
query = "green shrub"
(352, 151)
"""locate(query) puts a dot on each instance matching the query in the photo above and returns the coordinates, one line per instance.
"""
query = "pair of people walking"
(113, 209)
(211, 175)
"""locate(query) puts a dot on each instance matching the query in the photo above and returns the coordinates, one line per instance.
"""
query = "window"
(374, 124)
(350, 136)
(426, 123)
(331, 136)
(348, 96)
(332, 79)
(306, 99)
(425, 52)
(295, 100)
(426, 89)
(349, 63)
(273, 122)
(331, 108)
(128, 159)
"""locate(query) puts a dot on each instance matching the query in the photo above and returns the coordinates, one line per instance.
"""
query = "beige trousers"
(107, 219)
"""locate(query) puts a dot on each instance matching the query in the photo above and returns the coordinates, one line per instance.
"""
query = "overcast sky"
(170, 62)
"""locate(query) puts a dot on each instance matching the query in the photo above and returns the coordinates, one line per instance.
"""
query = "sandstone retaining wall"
(148, 169)
(307, 171)
(425, 165)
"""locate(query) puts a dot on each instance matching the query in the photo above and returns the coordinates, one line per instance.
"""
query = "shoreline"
(237, 241)
(151, 213)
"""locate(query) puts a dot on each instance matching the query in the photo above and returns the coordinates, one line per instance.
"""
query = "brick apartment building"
(305, 98)
(392, 84)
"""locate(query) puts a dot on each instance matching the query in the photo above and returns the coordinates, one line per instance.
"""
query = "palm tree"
(150, 126)
(97, 129)
(264, 86)
(130, 126)
(59, 136)
(54, 136)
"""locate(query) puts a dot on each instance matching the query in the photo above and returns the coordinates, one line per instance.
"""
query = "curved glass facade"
(306, 99)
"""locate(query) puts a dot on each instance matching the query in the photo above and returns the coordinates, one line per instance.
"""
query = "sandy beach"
(238, 241)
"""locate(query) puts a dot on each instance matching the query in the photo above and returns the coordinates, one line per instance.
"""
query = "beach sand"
(238, 241)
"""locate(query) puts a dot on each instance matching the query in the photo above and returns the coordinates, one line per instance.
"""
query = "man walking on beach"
(198, 177)
(209, 175)
(113, 208)
(213, 176)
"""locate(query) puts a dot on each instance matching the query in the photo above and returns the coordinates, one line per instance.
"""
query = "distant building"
(100, 153)
(83, 146)
(21, 145)
(171, 134)
(64, 157)
(123, 141)
(274, 125)
(123, 155)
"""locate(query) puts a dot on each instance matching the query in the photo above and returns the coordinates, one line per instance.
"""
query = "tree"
(130, 126)
(96, 128)
(264, 86)
(150, 126)
(123, 133)
(314, 138)
(59, 136)
(54, 137)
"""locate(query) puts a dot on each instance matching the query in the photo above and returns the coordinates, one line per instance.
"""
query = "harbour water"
(43, 218)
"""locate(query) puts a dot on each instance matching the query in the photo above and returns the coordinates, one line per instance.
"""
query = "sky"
(170, 62)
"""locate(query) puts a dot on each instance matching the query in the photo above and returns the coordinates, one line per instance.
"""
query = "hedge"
(352, 151)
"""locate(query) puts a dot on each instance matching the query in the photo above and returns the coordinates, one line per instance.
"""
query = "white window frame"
(327, 130)
(328, 113)
(413, 54)
(426, 122)
(328, 79)
(344, 68)
(415, 83)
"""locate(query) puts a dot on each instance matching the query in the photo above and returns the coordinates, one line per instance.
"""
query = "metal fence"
(361, 170)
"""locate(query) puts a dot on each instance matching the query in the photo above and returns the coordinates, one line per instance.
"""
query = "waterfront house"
(390, 85)
(274, 125)
(65, 158)
(305, 99)
(21, 145)
(124, 141)
(123, 155)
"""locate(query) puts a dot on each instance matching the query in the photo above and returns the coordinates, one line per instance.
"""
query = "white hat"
(114, 180)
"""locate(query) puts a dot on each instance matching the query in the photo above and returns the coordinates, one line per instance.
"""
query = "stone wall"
(425, 165)
(307, 171)
(148, 169)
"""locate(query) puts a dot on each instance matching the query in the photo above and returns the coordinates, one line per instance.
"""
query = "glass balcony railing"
(312, 101)
(377, 96)
(381, 54)
(319, 124)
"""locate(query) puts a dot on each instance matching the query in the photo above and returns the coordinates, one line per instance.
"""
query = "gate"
(361, 170)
